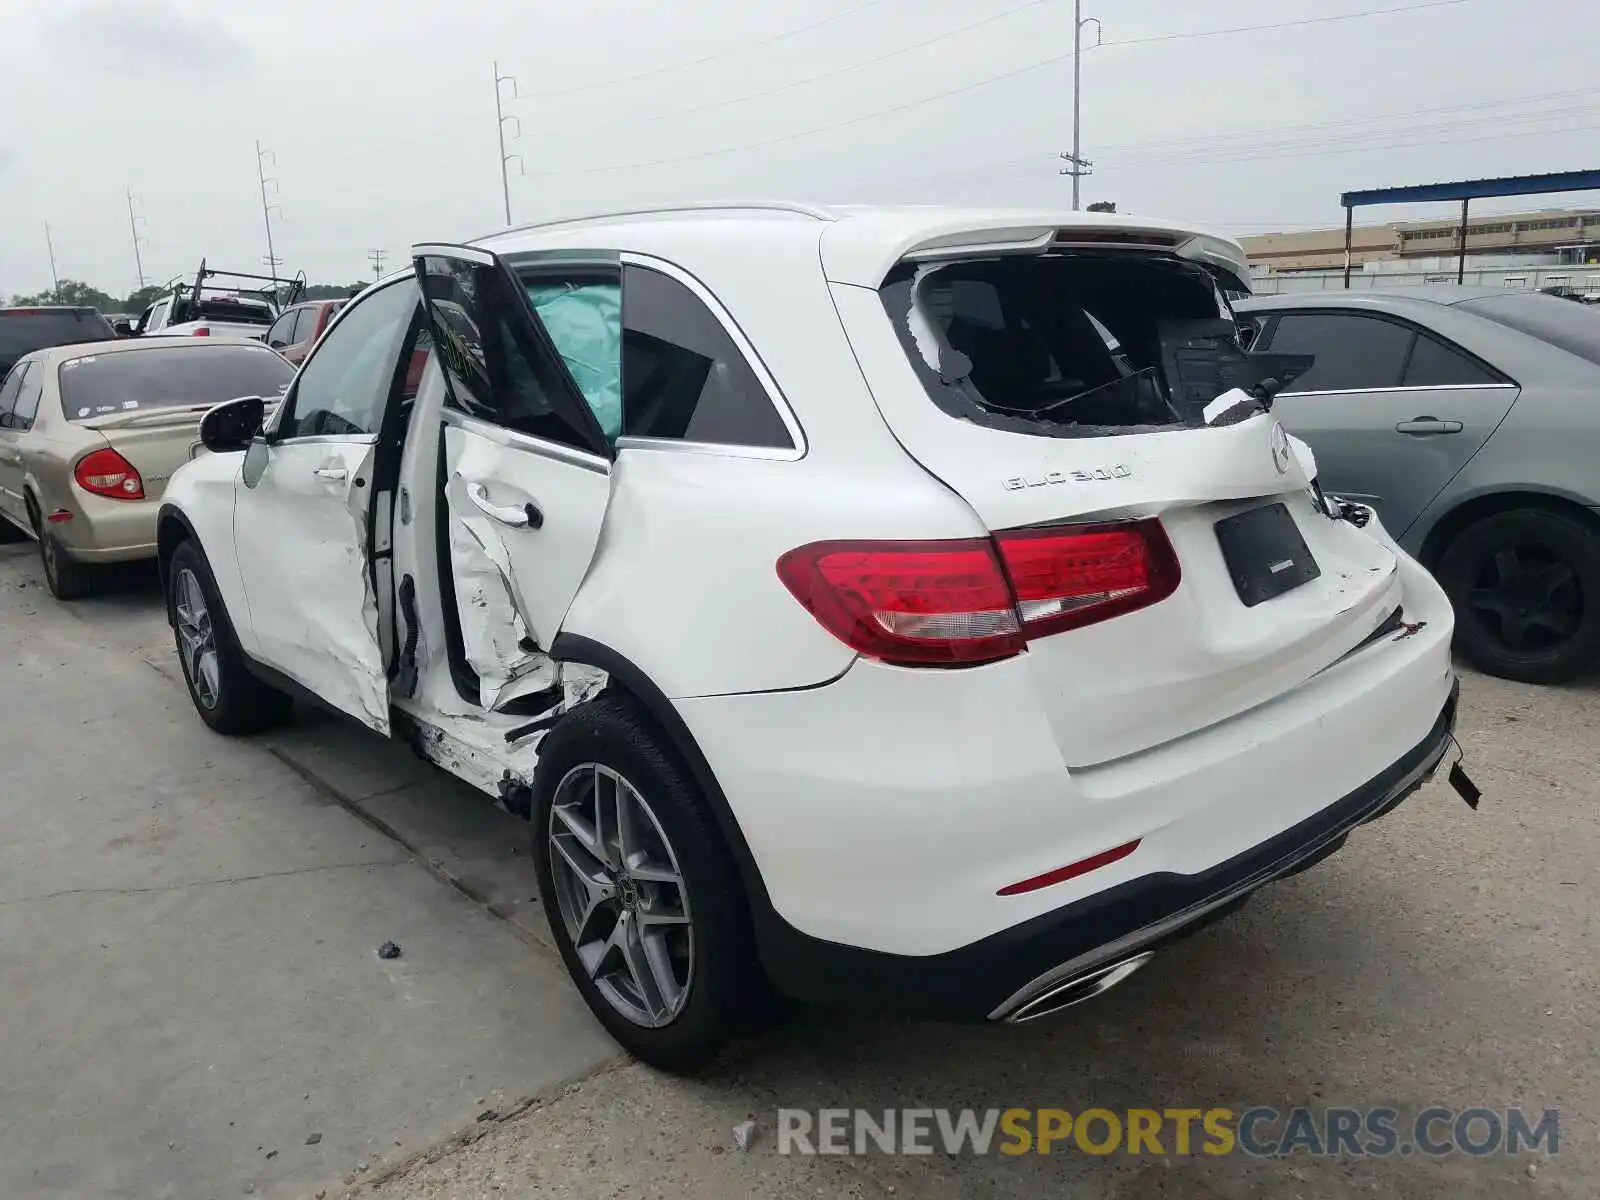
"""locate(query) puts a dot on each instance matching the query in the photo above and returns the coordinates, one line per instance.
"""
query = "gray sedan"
(1469, 418)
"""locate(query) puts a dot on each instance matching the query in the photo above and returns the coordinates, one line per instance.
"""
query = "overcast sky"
(379, 114)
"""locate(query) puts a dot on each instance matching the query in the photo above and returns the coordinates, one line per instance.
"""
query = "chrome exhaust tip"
(1077, 990)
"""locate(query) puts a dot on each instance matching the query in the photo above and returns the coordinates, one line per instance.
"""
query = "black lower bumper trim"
(999, 974)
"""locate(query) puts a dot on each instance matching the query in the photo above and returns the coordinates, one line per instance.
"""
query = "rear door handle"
(1427, 426)
(337, 474)
(526, 516)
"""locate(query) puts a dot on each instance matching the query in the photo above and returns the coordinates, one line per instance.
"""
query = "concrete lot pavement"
(187, 951)
(1444, 957)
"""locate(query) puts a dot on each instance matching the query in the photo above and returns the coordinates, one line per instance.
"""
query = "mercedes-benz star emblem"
(1279, 441)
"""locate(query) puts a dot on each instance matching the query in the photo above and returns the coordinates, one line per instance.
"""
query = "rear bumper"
(106, 531)
(998, 977)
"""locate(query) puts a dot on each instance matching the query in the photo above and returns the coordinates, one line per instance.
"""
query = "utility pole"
(133, 228)
(500, 125)
(272, 259)
(1078, 166)
(55, 280)
(376, 257)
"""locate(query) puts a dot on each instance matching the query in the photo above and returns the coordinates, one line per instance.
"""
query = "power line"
(948, 93)
(633, 122)
(696, 62)
(376, 257)
(1355, 16)
(55, 280)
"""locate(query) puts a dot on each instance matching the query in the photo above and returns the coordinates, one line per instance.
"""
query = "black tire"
(1525, 585)
(242, 704)
(66, 578)
(727, 992)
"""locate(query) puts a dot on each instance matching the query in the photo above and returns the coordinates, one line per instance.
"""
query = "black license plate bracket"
(1265, 553)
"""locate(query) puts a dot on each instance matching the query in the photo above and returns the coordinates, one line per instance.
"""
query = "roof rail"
(815, 211)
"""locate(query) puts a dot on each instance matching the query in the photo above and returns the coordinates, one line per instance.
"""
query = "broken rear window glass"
(168, 377)
(1069, 345)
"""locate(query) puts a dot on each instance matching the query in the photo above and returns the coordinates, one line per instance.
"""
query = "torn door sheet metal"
(494, 634)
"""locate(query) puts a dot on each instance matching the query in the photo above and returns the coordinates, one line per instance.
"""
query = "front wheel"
(642, 898)
(1525, 585)
(228, 698)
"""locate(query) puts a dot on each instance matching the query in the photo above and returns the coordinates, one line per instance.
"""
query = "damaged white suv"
(865, 606)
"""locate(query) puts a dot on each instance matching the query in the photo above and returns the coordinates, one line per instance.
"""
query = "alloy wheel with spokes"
(197, 639)
(1529, 596)
(621, 895)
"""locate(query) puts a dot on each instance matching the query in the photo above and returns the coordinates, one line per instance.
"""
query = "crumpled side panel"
(493, 631)
(584, 321)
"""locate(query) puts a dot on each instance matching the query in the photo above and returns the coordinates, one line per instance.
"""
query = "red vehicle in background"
(297, 328)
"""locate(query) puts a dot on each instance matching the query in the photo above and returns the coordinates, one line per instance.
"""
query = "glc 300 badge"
(1091, 475)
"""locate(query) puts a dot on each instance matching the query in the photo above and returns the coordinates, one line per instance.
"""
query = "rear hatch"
(146, 401)
(997, 374)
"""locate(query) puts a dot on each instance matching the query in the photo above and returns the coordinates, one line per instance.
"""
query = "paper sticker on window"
(130, 404)
(83, 412)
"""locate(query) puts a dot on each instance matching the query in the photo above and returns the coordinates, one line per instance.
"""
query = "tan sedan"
(90, 434)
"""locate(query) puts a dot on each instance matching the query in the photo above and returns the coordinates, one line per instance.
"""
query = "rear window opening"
(1071, 344)
(222, 308)
(133, 381)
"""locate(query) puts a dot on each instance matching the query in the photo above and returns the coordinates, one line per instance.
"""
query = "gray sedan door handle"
(337, 474)
(526, 517)
(1427, 426)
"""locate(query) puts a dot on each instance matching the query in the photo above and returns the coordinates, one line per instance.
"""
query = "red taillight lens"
(1068, 577)
(107, 473)
(914, 603)
(952, 603)
(201, 332)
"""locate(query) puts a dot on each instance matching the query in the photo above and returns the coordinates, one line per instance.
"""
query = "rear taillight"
(953, 603)
(916, 603)
(107, 473)
(201, 332)
(1068, 577)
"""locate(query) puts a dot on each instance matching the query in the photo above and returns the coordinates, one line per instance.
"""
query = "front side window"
(1353, 352)
(342, 389)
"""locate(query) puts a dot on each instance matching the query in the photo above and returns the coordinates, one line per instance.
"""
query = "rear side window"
(157, 376)
(1434, 364)
(28, 395)
(1566, 324)
(1353, 352)
(9, 390)
(682, 375)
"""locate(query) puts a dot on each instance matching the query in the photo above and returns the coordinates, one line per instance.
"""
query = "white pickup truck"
(240, 305)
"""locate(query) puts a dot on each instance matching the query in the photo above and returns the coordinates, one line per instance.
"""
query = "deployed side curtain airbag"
(584, 321)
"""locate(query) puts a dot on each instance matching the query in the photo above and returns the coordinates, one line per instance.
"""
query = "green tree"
(73, 292)
(141, 299)
(1109, 206)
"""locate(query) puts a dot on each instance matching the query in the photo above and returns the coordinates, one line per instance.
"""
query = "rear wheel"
(66, 578)
(1526, 589)
(228, 698)
(643, 900)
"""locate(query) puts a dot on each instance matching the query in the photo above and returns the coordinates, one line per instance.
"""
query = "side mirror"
(233, 425)
(123, 328)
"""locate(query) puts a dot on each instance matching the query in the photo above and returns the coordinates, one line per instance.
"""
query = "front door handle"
(1428, 426)
(527, 516)
(337, 474)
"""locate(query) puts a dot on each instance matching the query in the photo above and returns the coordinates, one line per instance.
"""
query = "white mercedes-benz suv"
(915, 608)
